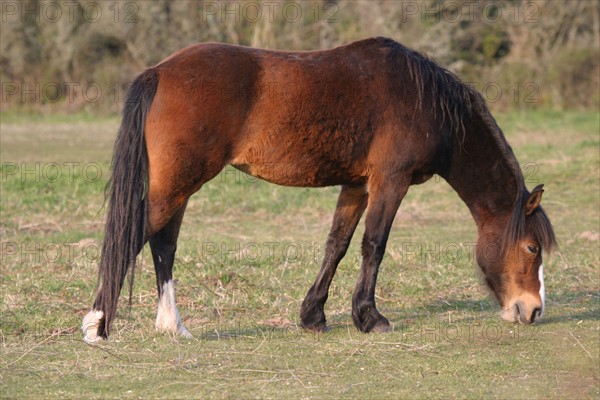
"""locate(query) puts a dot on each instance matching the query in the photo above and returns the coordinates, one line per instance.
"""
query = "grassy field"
(248, 252)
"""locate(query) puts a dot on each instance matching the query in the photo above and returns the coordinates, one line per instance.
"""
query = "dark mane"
(456, 103)
(451, 99)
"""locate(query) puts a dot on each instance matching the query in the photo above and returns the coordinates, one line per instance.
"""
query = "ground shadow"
(574, 305)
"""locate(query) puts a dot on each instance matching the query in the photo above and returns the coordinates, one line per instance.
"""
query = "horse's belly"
(301, 173)
(299, 152)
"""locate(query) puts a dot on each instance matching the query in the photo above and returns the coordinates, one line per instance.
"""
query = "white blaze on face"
(168, 318)
(542, 288)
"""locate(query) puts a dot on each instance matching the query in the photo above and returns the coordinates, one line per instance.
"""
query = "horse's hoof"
(370, 320)
(177, 331)
(184, 333)
(89, 326)
(382, 328)
(317, 328)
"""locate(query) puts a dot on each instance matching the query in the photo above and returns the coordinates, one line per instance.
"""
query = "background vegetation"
(521, 54)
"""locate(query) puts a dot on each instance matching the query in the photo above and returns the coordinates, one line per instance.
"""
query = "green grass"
(247, 254)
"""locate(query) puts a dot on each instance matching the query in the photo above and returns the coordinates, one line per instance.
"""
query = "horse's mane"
(454, 101)
(457, 103)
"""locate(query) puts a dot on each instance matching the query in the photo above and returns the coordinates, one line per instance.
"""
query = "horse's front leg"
(350, 207)
(385, 196)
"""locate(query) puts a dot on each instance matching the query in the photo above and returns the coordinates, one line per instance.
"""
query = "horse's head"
(509, 252)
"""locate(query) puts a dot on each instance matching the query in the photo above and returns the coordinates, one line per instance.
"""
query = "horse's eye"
(532, 249)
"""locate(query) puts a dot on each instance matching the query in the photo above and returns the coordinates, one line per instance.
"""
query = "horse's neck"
(484, 171)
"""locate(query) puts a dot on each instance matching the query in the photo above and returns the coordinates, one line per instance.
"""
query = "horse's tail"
(127, 195)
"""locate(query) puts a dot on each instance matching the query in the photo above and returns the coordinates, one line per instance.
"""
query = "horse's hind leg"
(182, 157)
(350, 207)
(163, 245)
(385, 196)
(162, 227)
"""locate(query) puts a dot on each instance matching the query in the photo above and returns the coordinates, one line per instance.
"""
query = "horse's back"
(293, 118)
(315, 117)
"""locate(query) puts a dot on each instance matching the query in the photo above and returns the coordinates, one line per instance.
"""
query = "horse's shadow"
(587, 308)
(560, 307)
(577, 305)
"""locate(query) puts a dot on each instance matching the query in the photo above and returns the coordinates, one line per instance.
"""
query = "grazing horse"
(372, 116)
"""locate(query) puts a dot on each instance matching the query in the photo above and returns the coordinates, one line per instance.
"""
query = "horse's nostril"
(535, 314)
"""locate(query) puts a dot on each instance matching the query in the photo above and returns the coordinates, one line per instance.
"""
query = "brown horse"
(373, 116)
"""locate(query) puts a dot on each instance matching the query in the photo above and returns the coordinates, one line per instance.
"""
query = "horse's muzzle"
(522, 313)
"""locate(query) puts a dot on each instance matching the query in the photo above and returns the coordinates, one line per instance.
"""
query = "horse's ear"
(534, 199)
